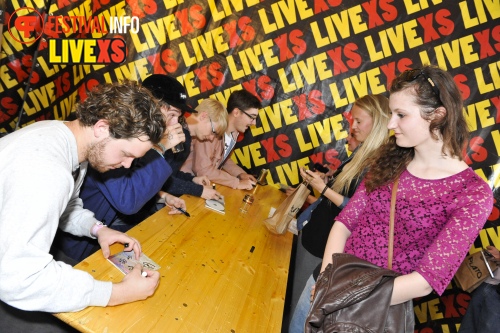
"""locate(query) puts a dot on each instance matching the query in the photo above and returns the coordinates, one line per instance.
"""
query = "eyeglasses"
(212, 124)
(412, 75)
(251, 116)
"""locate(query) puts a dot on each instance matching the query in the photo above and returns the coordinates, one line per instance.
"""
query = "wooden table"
(219, 273)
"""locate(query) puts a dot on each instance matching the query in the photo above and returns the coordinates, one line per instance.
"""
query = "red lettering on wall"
(317, 158)
(299, 45)
(322, 5)
(9, 108)
(461, 80)
(198, 20)
(430, 33)
(331, 158)
(62, 84)
(479, 153)
(183, 17)
(260, 87)
(447, 25)
(337, 56)
(486, 49)
(309, 105)
(282, 142)
(142, 7)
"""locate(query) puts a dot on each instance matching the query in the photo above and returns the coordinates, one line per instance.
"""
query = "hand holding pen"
(177, 205)
(183, 211)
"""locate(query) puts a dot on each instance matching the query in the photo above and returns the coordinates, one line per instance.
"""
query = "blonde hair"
(377, 106)
(217, 113)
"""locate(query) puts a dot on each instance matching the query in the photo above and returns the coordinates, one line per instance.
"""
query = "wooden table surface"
(219, 273)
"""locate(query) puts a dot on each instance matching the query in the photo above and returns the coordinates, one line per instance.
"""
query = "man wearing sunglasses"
(212, 158)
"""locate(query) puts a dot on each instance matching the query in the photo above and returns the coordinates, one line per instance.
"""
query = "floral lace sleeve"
(436, 222)
(445, 254)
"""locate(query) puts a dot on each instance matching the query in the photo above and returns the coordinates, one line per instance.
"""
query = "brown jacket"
(353, 295)
(205, 159)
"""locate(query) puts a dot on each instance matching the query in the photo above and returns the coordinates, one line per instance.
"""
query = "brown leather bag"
(353, 295)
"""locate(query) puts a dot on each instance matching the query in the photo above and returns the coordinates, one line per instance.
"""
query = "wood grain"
(219, 273)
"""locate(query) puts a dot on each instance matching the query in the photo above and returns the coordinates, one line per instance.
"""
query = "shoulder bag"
(278, 223)
(475, 268)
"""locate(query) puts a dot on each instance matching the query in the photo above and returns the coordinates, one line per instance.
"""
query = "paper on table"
(125, 261)
(217, 205)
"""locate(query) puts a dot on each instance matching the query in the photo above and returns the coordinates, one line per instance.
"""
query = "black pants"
(13, 320)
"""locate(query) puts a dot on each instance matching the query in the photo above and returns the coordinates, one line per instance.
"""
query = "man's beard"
(95, 155)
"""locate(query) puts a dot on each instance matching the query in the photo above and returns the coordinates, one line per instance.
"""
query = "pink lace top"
(435, 224)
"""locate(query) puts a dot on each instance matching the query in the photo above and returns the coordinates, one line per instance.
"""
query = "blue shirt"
(116, 192)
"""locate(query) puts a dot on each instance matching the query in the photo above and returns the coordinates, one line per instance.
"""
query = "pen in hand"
(183, 211)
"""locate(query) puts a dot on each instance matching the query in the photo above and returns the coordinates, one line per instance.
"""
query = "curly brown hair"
(432, 88)
(130, 110)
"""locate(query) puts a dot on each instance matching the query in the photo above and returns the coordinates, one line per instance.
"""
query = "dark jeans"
(13, 320)
(483, 313)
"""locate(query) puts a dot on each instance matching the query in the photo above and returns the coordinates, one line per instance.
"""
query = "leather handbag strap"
(391, 222)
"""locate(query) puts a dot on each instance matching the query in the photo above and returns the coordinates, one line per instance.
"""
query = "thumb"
(105, 250)
(138, 267)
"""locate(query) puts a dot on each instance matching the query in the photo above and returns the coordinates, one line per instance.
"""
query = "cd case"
(125, 261)
(217, 205)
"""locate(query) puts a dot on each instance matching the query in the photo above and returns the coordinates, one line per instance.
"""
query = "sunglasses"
(413, 74)
(212, 125)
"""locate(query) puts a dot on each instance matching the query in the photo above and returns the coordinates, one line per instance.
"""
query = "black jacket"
(353, 295)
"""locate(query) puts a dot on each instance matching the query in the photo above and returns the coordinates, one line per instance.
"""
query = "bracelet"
(324, 190)
(98, 225)
(163, 148)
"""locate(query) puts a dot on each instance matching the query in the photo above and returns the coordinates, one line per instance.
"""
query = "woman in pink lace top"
(441, 203)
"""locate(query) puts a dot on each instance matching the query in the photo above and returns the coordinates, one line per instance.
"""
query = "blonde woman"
(370, 116)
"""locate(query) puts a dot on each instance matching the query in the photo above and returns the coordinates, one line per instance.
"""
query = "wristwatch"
(98, 225)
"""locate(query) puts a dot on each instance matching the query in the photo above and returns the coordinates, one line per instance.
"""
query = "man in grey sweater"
(41, 170)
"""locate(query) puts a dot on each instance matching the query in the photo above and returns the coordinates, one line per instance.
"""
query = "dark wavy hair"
(130, 110)
(432, 88)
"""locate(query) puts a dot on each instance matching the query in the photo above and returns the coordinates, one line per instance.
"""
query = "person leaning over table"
(119, 198)
(171, 91)
(370, 116)
(207, 124)
(441, 203)
(42, 167)
(212, 157)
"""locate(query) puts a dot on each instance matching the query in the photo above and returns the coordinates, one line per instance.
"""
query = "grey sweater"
(37, 195)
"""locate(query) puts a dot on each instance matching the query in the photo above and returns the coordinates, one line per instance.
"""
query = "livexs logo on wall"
(26, 25)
